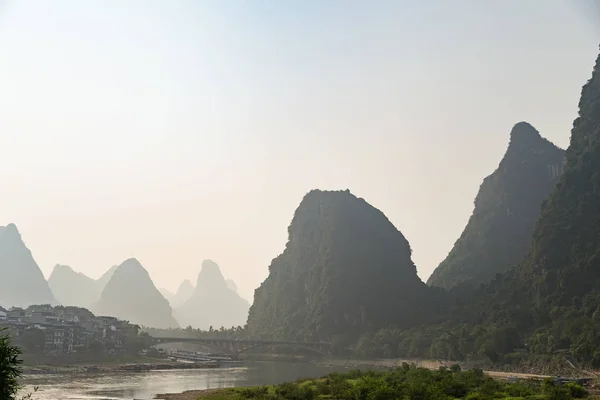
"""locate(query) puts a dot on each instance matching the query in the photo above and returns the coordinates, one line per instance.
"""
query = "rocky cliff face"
(345, 270)
(73, 288)
(498, 234)
(22, 282)
(213, 303)
(564, 263)
(131, 295)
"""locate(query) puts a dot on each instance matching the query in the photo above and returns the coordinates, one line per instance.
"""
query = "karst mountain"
(213, 302)
(498, 235)
(103, 280)
(21, 281)
(73, 288)
(549, 303)
(183, 294)
(564, 263)
(345, 269)
(131, 295)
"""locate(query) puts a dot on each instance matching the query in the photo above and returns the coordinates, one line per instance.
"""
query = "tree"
(10, 367)
(136, 344)
(34, 340)
(96, 347)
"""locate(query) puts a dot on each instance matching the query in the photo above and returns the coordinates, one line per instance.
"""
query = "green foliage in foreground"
(10, 369)
(408, 383)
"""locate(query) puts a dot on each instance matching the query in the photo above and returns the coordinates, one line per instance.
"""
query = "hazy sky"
(175, 131)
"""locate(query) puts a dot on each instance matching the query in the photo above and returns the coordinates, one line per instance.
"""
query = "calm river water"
(146, 385)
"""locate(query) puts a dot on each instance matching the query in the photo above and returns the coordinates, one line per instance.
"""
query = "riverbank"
(191, 394)
(553, 367)
(406, 382)
(115, 367)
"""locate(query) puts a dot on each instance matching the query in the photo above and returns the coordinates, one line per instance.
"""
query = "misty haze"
(299, 200)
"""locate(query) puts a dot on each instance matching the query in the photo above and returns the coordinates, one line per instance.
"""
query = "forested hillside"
(551, 301)
(498, 234)
(345, 270)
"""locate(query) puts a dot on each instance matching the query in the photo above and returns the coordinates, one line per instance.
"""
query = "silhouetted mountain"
(213, 303)
(184, 293)
(231, 285)
(73, 288)
(131, 295)
(564, 264)
(167, 295)
(103, 280)
(549, 303)
(498, 234)
(345, 270)
(21, 280)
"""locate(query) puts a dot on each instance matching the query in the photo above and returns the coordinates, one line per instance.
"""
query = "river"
(146, 385)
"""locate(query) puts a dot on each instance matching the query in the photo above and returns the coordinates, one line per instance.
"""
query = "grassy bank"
(406, 382)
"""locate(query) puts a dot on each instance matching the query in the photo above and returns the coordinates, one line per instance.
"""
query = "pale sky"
(175, 131)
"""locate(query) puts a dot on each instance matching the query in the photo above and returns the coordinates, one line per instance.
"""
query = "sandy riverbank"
(187, 395)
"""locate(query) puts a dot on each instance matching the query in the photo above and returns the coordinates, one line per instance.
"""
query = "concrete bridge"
(236, 347)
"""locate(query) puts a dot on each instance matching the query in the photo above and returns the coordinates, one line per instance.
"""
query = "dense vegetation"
(498, 234)
(408, 383)
(346, 275)
(10, 369)
(345, 269)
(549, 303)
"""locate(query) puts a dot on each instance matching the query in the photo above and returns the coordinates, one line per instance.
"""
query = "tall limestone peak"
(498, 234)
(131, 295)
(345, 269)
(565, 254)
(213, 303)
(73, 288)
(523, 132)
(22, 283)
(210, 276)
(10, 234)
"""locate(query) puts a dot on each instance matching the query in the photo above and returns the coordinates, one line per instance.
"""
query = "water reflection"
(146, 385)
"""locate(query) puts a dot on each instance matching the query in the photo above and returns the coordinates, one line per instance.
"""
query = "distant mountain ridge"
(73, 288)
(213, 303)
(131, 295)
(498, 234)
(183, 294)
(22, 283)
